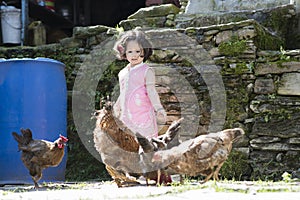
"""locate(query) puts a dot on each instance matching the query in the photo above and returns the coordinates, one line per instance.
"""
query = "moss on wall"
(237, 101)
(233, 47)
(266, 41)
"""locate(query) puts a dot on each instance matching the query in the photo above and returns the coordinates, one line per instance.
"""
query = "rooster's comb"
(63, 138)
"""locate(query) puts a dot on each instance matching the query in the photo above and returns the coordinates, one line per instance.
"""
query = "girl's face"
(134, 53)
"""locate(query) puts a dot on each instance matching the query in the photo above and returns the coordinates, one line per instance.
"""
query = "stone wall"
(262, 92)
(205, 6)
(282, 21)
(219, 76)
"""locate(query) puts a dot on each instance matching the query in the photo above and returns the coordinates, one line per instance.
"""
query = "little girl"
(138, 104)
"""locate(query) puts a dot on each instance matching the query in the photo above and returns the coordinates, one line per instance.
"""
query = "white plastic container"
(11, 25)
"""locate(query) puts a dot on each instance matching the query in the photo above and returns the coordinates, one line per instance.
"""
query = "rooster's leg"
(36, 178)
(36, 185)
(35, 181)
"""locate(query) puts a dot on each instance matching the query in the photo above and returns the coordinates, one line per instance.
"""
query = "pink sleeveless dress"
(137, 111)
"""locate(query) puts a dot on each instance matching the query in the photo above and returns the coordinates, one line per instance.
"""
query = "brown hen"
(120, 150)
(203, 155)
(38, 155)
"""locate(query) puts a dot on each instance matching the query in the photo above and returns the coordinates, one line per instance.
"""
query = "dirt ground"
(107, 190)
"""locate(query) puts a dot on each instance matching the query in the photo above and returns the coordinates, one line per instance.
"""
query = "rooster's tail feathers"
(23, 139)
(17, 137)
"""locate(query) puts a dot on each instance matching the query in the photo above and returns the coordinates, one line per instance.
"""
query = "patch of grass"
(4, 193)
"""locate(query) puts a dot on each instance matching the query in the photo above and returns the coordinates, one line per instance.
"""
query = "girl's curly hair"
(133, 35)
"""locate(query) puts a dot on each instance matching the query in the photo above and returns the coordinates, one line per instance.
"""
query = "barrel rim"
(39, 59)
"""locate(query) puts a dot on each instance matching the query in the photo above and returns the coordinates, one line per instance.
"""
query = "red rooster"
(38, 155)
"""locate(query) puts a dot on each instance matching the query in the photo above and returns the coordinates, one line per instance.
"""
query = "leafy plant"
(283, 55)
(286, 177)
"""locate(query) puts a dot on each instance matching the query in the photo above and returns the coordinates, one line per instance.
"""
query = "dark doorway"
(97, 12)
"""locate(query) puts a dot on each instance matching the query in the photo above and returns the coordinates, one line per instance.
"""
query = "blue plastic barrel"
(33, 95)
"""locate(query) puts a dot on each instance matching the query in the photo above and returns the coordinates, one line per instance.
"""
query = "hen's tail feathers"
(23, 139)
(172, 131)
(161, 141)
(145, 144)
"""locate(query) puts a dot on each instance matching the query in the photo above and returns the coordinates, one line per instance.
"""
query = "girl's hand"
(161, 116)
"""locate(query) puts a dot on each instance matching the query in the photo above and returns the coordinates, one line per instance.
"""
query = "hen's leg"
(120, 178)
(207, 178)
(113, 174)
(208, 173)
(181, 179)
(216, 172)
(158, 177)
